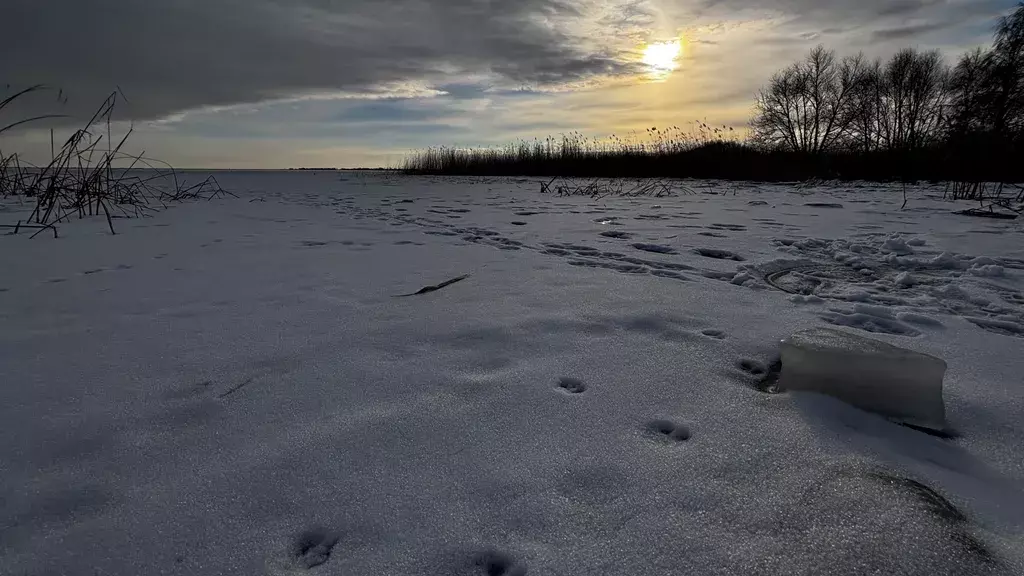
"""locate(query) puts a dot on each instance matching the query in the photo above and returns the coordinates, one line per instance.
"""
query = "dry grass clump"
(81, 178)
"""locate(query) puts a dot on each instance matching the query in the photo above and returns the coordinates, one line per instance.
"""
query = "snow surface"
(233, 387)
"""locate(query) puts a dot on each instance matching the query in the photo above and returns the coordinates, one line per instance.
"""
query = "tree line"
(913, 115)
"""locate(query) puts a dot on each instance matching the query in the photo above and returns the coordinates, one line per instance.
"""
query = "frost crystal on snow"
(901, 384)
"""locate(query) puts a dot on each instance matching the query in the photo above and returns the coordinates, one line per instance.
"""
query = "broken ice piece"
(900, 384)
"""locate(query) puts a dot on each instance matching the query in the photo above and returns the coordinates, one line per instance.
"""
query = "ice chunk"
(905, 280)
(901, 384)
(741, 278)
(897, 245)
(990, 270)
(946, 261)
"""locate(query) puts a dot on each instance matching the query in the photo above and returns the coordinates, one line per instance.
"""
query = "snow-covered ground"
(234, 387)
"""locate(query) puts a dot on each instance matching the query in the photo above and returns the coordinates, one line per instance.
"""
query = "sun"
(662, 57)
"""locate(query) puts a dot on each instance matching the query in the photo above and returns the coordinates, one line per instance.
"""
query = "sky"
(353, 83)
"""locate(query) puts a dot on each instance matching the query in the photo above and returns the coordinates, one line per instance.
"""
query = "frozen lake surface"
(252, 386)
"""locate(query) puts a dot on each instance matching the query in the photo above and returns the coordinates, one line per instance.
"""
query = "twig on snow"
(427, 289)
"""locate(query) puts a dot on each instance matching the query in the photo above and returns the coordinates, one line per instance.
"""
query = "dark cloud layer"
(907, 32)
(861, 12)
(174, 55)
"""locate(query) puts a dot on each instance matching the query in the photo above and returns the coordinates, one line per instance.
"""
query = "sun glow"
(661, 58)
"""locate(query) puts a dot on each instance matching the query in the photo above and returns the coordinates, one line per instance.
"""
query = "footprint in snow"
(616, 234)
(752, 367)
(495, 563)
(767, 377)
(310, 548)
(571, 386)
(655, 248)
(718, 254)
(667, 431)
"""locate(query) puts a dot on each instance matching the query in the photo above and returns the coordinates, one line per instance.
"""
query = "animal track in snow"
(571, 385)
(752, 367)
(656, 248)
(624, 268)
(616, 234)
(667, 430)
(765, 378)
(718, 254)
(311, 548)
(492, 562)
(669, 274)
(729, 227)
(652, 217)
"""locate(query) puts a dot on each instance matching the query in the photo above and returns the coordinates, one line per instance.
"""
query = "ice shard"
(901, 384)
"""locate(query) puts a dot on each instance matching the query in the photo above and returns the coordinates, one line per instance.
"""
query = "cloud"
(832, 11)
(906, 32)
(177, 55)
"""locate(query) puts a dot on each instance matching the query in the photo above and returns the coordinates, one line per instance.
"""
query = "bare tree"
(912, 94)
(966, 120)
(865, 106)
(1006, 76)
(807, 106)
(928, 99)
(966, 87)
(778, 121)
